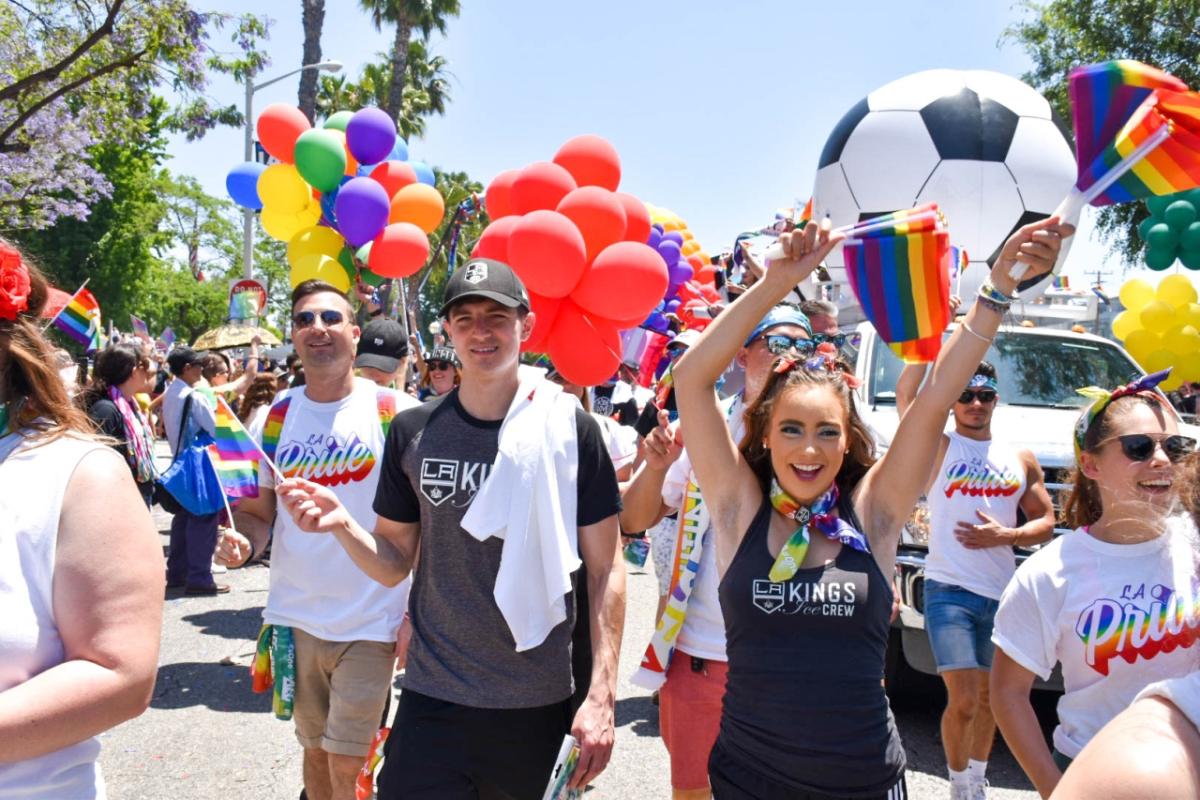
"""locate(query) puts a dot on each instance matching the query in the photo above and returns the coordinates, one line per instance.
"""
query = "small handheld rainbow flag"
(139, 327)
(235, 455)
(243, 305)
(167, 337)
(80, 319)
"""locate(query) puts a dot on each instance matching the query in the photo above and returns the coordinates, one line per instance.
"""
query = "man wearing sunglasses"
(974, 493)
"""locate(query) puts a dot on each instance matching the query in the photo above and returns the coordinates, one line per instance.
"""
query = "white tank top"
(974, 476)
(33, 481)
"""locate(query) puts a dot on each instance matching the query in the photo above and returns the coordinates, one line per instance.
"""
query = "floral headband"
(1102, 399)
(14, 283)
(818, 363)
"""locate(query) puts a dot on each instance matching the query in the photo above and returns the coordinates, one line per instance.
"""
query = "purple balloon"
(362, 208)
(654, 238)
(673, 305)
(681, 272)
(669, 250)
(674, 236)
(657, 322)
(657, 226)
(370, 135)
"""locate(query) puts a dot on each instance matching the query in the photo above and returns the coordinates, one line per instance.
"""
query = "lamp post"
(251, 88)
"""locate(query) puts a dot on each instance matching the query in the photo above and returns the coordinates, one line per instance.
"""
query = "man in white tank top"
(974, 492)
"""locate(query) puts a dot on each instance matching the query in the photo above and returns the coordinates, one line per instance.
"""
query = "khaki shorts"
(341, 689)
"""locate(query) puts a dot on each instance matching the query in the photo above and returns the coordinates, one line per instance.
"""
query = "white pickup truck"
(1038, 371)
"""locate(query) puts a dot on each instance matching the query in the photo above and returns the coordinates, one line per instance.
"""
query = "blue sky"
(719, 110)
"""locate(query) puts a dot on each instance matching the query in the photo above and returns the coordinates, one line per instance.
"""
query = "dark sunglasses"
(438, 366)
(984, 396)
(1140, 446)
(779, 345)
(306, 319)
(839, 340)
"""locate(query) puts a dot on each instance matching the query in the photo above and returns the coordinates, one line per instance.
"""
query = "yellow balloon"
(1177, 290)
(321, 268)
(1188, 368)
(1157, 316)
(687, 235)
(313, 241)
(1172, 381)
(1189, 315)
(1136, 294)
(1125, 323)
(1181, 340)
(689, 246)
(281, 188)
(1140, 343)
(1158, 361)
(283, 225)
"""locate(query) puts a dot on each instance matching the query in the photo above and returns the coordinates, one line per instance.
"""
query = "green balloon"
(1159, 258)
(321, 158)
(370, 278)
(1190, 238)
(363, 253)
(1191, 195)
(1144, 227)
(1180, 214)
(1162, 237)
(338, 121)
(1190, 258)
(1158, 204)
(346, 259)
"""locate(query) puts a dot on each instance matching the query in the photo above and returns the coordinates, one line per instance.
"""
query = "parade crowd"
(468, 523)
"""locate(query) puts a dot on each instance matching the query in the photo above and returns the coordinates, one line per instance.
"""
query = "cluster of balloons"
(1161, 328)
(1172, 231)
(340, 195)
(579, 245)
(692, 288)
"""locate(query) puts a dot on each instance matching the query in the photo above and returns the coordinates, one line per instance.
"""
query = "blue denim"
(959, 624)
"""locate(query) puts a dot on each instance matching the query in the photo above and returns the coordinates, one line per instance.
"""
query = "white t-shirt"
(974, 476)
(620, 439)
(1184, 694)
(703, 631)
(315, 586)
(1118, 617)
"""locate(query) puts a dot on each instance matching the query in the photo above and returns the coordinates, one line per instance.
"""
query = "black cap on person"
(382, 345)
(488, 279)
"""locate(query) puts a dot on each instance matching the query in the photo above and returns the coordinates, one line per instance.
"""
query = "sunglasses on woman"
(984, 396)
(1140, 446)
(306, 319)
(779, 345)
(438, 366)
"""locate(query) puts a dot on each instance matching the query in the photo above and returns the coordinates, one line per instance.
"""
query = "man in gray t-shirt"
(477, 718)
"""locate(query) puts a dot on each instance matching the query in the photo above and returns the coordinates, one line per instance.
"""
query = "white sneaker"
(960, 791)
(978, 789)
(218, 569)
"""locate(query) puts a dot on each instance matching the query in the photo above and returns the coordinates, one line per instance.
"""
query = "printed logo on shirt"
(443, 478)
(1143, 622)
(325, 459)
(977, 478)
(602, 406)
(820, 599)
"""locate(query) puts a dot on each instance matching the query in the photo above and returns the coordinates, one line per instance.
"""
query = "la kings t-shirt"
(436, 459)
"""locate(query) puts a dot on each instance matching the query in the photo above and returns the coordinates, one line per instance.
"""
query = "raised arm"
(893, 485)
(907, 385)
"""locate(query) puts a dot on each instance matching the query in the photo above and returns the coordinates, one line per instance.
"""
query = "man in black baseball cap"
(487, 279)
(382, 355)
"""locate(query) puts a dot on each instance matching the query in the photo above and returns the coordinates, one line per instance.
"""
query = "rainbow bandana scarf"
(1102, 399)
(814, 517)
(274, 665)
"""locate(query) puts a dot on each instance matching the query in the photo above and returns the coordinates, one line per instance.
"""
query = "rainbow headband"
(1102, 399)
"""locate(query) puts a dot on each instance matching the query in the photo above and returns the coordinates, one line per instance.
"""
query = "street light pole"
(247, 214)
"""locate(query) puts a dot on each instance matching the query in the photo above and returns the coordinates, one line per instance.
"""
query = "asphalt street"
(206, 735)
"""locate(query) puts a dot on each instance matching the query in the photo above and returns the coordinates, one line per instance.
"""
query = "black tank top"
(804, 704)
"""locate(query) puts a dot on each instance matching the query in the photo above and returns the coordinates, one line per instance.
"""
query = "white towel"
(529, 501)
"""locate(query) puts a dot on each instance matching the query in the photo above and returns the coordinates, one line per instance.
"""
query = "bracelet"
(992, 305)
(992, 293)
(974, 332)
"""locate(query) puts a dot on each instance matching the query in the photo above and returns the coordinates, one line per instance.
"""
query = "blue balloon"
(328, 212)
(424, 172)
(399, 150)
(242, 184)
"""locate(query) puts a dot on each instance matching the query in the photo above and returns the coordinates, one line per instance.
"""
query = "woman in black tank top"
(807, 524)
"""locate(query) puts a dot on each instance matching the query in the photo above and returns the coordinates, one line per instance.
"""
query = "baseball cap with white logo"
(382, 345)
(488, 279)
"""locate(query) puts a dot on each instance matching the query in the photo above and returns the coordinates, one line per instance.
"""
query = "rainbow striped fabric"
(139, 327)
(235, 456)
(80, 320)
(243, 305)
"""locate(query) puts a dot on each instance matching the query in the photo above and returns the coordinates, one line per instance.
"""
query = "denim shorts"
(959, 624)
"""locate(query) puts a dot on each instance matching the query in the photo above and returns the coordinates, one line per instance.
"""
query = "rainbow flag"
(235, 456)
(167, 337)
(242, 305)
(139, 327)
(80, 320)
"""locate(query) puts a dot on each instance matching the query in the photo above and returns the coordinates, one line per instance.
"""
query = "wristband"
(992, 293)
(992, 305)
(974, 333)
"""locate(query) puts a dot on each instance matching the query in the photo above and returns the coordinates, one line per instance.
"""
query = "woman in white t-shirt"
(1115, 601)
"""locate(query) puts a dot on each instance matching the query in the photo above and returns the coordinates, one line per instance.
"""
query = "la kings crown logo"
(476, 272)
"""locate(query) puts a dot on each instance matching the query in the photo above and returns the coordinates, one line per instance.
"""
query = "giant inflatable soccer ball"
(984, 146)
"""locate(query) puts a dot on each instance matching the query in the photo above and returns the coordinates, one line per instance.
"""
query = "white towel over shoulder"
(529, 501)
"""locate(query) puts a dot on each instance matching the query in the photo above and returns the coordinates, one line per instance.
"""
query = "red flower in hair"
(14, 283)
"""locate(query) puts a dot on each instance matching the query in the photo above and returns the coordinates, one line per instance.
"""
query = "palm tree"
(313, 16)
(423, 15)
(426, 92)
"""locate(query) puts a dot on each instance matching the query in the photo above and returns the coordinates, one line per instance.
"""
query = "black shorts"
(444, 751)
(731, 780)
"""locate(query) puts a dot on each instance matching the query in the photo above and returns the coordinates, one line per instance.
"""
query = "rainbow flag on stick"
(243, 305)
(235, 454)
(139, 327)
(80, 319)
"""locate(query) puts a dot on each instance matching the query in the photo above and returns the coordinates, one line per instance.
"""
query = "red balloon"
(695, 314)
(598, 214)
(698, 264)
(591, 160)
(584, 349)
(494, 241)
(541, 185)
(498, 199)
(626, 324)
(707, 275)
(637, 218)
(279, 126)
(400, 250)
(545, 311)
(625, 280)
(394, 176)
(548, 253)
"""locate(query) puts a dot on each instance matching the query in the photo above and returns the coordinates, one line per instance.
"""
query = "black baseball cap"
(181, 358)
(382, 345)
(486, 278)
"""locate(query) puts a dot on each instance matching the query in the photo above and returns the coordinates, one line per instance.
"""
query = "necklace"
(816, 516)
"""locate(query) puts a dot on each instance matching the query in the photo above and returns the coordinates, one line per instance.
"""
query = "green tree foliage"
(425, 16)
(1062, 34)
(426, 92)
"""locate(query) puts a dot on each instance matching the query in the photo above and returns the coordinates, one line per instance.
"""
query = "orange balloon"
(689, 246)
(687, 235)
(420, 204)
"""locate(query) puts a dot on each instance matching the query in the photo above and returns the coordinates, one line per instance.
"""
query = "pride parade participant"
(974, 490)
(806, 527)
(439, 373)
(1114, 601)
(686, 660)
(497, 486)
(122, 372)
(382, 355)
(81, 582)
(344, 626)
